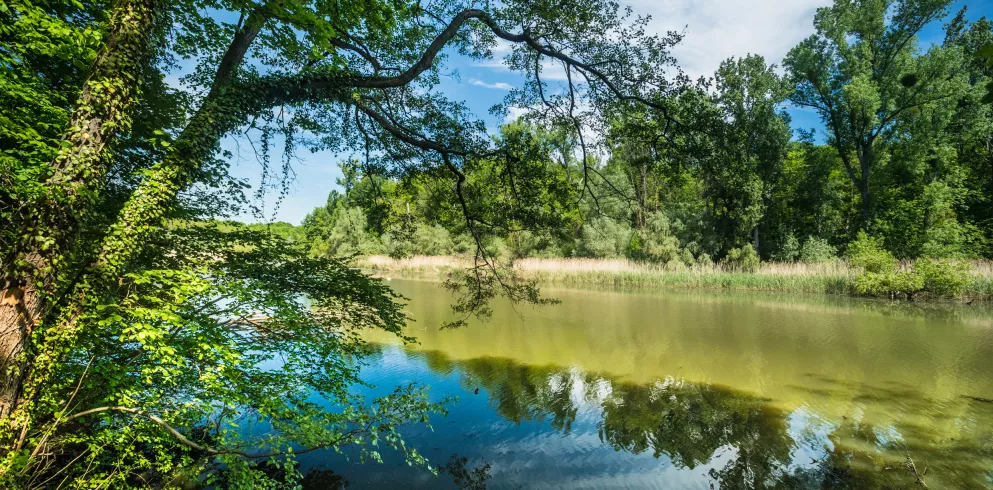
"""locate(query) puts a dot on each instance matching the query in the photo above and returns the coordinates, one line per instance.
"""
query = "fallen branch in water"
(913, 469)
(978, 398)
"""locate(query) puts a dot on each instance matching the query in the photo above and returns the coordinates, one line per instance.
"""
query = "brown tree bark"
(19, 304)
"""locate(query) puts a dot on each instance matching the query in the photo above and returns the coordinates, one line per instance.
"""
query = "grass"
(828, 277)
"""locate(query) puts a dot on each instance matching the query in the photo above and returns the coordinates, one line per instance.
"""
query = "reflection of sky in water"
(536, 453)
(531, 454)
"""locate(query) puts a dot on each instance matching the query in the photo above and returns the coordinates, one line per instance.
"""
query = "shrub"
(817, 250)
(743, 259)
(464, 244)
(660, 250)
(890, 283)
(944, 277)
(676, 265)
(496, 247)
(868, 254)
(525, 244)
(790, 251)
(655, 243)
(704, 260)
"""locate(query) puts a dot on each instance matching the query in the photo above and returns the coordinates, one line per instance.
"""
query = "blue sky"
(714, 30)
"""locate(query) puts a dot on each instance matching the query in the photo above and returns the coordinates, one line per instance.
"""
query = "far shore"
(826, 278)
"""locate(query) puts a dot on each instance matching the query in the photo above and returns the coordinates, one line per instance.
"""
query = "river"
(693, 390)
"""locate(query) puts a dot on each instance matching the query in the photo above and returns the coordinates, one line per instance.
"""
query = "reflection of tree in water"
(464, 476)
(697, 424)
(518, 392)
(691, 423)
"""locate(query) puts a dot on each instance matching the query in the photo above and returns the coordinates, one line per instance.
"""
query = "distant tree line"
(905, 155)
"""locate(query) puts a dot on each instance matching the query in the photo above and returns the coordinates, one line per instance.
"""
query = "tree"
(750, 141)
(972, 123)
(863, 71)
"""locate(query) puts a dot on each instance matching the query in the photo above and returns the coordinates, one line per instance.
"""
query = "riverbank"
(825, 278)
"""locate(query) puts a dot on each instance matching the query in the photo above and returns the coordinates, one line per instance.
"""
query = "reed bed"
(827, 277)
(621, 273)
(983, 268)
(565, 265)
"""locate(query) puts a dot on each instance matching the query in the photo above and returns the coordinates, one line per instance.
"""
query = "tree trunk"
(866, 203)
(18, 302)
(46, 233)
(145, 208)
(865, 162)
(219, 114)
(989, 152)
(755, 238)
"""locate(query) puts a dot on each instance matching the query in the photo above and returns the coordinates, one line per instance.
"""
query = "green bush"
(790, 250)
(743, 259)
(464, 244)
(661, 250)
(525, 244)
(346, 234)
(817, 250)
(868, 254)
(677, 265)
(890, 283)
(946, 278)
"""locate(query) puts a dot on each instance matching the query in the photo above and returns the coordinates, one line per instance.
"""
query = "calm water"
(677, 390)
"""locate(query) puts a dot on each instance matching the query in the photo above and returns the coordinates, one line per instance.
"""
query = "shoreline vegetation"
(835, 277)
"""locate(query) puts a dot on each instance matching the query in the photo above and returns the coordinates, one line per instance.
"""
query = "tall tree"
(972, 126)
(750, 139)
(863, 70)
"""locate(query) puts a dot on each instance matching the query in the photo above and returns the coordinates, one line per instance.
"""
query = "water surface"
(694, 390)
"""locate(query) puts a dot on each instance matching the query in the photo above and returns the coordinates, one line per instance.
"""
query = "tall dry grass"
(983, 267)
(832, 277)
(625, 273)
(382, 262)
(565, 265)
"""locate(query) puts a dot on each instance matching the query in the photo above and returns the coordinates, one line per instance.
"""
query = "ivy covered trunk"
(146, 206)
(48, 228)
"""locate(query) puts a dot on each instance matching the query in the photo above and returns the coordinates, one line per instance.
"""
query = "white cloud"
(553, 70)
(714, 31)
(550, 69)
(719, 29)
(514, 113)
(502, 47)
(496, 85)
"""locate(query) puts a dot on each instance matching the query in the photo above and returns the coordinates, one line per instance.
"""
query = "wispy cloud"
(714, 31)
(496, 85)
(719, 29)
